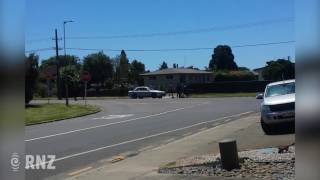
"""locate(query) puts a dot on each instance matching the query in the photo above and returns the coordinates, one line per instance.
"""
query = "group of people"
(180, 91)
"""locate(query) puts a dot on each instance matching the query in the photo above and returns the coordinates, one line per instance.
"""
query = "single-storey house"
(170, 78)
(258, 72)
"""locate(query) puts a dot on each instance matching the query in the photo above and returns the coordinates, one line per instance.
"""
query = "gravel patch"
(269, 163)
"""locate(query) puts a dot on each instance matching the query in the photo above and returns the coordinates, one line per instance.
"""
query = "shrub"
(234, 76)
(228, 87)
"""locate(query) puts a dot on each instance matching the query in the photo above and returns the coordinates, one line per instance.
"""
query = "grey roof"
(176, 71)
(258, 69)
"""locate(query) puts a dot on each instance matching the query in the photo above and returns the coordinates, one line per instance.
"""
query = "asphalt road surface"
(126, 125)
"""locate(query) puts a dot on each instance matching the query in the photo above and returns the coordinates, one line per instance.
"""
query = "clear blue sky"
(127, 17)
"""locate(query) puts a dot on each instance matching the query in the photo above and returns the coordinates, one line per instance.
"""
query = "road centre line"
(79, 171)
(139, 139)
(110, 124)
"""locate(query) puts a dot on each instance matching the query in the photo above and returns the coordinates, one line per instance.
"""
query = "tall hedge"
(234, 76)
(228, 87)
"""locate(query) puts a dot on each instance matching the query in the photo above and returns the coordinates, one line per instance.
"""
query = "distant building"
(171, 77)
(258, 72)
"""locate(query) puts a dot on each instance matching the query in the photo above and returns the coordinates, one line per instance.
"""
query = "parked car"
(278, 105)
(144, 91)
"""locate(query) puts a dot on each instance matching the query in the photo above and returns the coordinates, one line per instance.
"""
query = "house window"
(169, 76)
(152, 77)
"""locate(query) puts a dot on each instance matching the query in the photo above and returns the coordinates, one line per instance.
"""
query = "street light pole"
(65, 57)
(64, 35)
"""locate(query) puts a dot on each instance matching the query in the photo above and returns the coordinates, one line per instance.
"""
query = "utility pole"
(58, 66)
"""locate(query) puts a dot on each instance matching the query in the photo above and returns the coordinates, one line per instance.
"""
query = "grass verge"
(42, 113)
(88, 98)
(212, 95)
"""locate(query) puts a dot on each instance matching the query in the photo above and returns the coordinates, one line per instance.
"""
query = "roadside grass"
(213, 95)
(88, 98)
(42, 113)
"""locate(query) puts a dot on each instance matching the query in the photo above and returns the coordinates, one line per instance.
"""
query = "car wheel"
(266, 128)
(134, 96)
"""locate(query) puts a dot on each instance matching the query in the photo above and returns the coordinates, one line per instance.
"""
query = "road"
(127, 125)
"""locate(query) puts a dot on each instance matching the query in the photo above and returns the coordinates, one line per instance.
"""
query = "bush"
(234, 76)
(41, 90)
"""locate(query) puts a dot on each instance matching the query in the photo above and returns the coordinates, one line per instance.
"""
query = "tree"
(123, 67)
(31, 75)
(71, 77)
(136, 68)
(99, 66)
(164, 65)
(280, 69)
(63, 60)
(222, 59)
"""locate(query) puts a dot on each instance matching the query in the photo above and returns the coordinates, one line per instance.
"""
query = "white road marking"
(169, 140)
(110, 124)
(138, 139)
(79, 171)
(115, 116)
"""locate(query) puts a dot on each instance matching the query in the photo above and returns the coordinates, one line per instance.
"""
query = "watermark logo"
(15, 162)
(40, 162)
(43, 162)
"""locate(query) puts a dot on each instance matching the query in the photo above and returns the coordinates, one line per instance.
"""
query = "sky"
(199, 23)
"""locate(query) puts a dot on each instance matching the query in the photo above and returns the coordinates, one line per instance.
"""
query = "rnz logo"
(40, 162)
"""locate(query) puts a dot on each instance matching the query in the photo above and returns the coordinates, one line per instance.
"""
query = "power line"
(174, 33)
(38, 40)
(185, 32)
(159, 50)
(37, 50)
(182, 49)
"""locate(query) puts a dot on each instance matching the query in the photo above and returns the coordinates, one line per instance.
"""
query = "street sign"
(85, 76)
(49, 72)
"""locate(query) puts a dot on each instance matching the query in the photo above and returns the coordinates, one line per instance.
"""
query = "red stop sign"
(85, 76)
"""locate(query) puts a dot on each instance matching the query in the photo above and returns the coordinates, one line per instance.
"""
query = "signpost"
(85, 77)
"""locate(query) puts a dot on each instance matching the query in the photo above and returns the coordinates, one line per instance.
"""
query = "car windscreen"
(280, 89)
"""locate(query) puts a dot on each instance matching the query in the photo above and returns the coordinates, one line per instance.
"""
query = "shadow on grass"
(33, 105)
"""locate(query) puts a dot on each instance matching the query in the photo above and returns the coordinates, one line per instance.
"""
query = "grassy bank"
(88, 98)
(42, 113)
(212, 95)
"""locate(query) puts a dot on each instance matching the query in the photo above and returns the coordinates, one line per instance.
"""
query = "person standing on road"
(178, 89)
(171, 90)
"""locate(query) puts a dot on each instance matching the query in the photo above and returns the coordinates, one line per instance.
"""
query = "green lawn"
(53, 112)
(88, 98)
(212, 95)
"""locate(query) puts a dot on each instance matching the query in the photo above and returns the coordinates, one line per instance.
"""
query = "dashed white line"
(110, 124)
